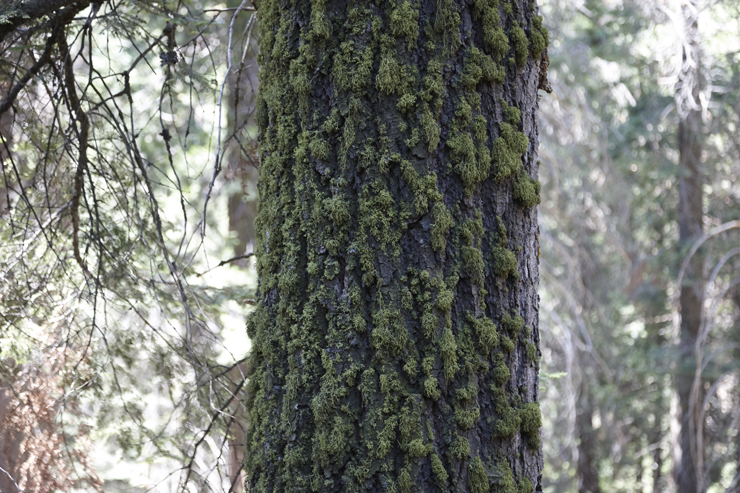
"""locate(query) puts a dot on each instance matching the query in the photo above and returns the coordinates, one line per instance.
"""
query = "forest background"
(122, 334)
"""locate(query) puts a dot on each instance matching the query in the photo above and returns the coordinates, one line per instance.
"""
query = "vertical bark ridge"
(395, 339)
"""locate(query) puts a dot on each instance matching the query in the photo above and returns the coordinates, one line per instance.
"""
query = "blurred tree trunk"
(690, 219)
(587, 470)
(735, 297)
(395, 338)
(243, 158)
(640, 468)
(656, 311)
(655, 439)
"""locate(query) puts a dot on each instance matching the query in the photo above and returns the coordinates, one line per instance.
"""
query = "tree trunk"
(395, 337)
(587, 471)
(690, 215)
(655, 438)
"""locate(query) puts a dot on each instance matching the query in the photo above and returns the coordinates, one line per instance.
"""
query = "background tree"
(611, 245)
(396, 330)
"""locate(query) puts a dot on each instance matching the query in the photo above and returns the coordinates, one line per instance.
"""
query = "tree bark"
(395, 338)
(690, 214)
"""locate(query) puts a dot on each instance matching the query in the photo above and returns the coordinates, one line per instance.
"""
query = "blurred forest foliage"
(128, 161)
(611, 250)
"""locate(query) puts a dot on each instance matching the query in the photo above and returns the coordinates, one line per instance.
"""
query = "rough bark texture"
(395, 339)
(690, 221)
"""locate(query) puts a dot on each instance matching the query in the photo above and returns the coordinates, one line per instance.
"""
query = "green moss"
(480, 67)
(390, 332)
(427, 365)
(513, 325)
(331, 269)
(508, 423)
(438, 469)
(352, 67)
(511, 113)
(504, 262)
(465, 156)
(332, 442)
(300, 82)
(431, 388)
(531, 423)
(525, 486)
(404, 21)
(444, 299)
(331, 125)
(407, 299)
(521, 45)
(404, 480)
(320, 24)
(389, 74)
(480, 134)
(460, 447)
(320, 148)
(473, 261)
(351, 374)
(532, 353)
(539, 37)
(487, 335)
(441, 224)
(467, 393)
(500, 372)
(477, 477)
(464, 111)
(337, 210)
(526, 190)
(411, 368)
(433, 84)
(417, 448)
(494, 37)
(358, 323)
(429, 324)
(507, 151)
(429, 128)
(466, 418)
(386, 437)
(472, 70)
(507, 344)
(447, 22)
(504, 482)
(448, 350)
(406, 103)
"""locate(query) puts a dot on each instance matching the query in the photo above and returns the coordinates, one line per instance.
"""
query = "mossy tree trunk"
(395, 339)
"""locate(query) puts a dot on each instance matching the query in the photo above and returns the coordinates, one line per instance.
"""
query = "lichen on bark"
(397, 265)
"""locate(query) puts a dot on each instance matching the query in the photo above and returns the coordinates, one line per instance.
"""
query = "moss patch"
(527, 190)
(477, 477)
(531, 423)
